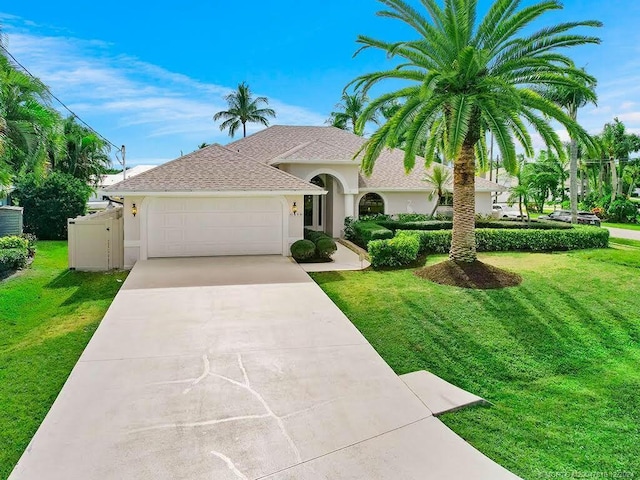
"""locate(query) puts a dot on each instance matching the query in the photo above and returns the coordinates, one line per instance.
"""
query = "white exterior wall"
(483, 203)
(296, 222)
(132, 231)
(347, 175)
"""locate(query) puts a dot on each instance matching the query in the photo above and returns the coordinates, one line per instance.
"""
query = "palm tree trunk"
(463, 236)
(573, 180)
(244, 129)
(435, 207)
(614, 179)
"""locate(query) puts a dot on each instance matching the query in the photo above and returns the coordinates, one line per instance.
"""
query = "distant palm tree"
(243, 108)
(464, 77)
(350, 109)
(440, 180)
(571, 99)
(203, 145)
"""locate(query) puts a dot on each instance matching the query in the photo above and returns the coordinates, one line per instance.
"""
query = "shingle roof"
(282, 144)
(213, 169)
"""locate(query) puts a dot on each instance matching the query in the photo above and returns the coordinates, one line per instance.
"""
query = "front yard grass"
(47, 316)
(624, 226)
(557, 356)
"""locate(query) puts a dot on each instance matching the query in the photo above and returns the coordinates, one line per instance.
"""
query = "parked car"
(508, 212)
(584, 218)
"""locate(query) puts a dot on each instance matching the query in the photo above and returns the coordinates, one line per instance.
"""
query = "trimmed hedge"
(396, 252)
(325, 247)
(13, 259)
(302, 250)
(13, 242)
(534, 240)
(364, 232)
(395, 225)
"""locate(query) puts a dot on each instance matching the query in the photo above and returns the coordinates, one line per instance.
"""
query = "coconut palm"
(571, 100)
(440, 181)
(243, 108)
(468, 77)
(350, 109)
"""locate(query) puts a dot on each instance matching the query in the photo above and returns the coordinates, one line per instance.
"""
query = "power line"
(75, 115)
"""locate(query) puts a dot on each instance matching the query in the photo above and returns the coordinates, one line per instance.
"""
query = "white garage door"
(200, 227)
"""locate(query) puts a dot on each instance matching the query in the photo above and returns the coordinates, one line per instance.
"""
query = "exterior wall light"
(134, 210)
(294, 208)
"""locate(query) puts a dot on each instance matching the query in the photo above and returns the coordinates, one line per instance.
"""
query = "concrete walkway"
(624, 233)
(344, 259)
(238, 368)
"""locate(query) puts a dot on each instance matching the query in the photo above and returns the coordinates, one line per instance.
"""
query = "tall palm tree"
(469, 77)
(440, 181)
(243, 108)
(350, 109)
(28, 125)
(571, 100)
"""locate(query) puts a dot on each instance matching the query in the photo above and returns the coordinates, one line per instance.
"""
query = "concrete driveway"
(238, 368)
(624, 233)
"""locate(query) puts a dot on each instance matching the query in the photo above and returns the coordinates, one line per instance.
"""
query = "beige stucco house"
(256, 195)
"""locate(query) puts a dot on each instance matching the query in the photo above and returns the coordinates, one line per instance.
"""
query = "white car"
(506, 212)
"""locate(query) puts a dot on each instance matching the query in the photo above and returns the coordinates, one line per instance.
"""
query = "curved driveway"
(238, 368)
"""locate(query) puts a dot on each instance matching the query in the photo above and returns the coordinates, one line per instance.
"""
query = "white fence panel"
(96, 242)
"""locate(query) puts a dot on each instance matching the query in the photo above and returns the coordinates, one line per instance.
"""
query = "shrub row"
(362, 233)
(535, 240)
(396, 252)
(315, 246)
(395, 225)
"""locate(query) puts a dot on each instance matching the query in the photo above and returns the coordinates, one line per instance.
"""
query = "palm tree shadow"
(86, 286)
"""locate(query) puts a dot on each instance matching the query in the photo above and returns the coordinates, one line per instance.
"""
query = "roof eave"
(216, 193)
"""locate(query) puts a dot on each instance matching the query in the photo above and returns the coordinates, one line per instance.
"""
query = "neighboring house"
(99, 199)
(255, 195)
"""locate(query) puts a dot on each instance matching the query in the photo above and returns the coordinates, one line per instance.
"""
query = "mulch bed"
(476, 275)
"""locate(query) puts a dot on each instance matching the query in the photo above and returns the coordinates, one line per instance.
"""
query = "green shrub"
(13, 259)
(413, 217)
(364, 232)
(13, 242)
(325, 247)
(434, 241)
(396, 252)
(622, 211)
(31, 240)
(536, 240)
(303, 250)
(49, 202)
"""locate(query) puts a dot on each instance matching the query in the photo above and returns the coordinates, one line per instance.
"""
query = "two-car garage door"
(196, 227)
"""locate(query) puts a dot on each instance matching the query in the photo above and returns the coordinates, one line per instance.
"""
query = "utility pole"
(491, 160)
(124, 162)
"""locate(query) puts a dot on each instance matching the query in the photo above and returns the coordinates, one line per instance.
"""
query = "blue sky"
(151, 75)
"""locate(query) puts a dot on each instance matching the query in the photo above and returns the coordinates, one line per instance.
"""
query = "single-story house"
(256, 195)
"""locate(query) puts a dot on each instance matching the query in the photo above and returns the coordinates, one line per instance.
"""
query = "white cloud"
(142, 104)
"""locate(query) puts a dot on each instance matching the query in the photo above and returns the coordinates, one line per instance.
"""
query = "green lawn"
(625, 226)
(47, 316)
(558, 356)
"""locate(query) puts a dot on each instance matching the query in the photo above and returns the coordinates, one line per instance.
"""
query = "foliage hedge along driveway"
(387, 249)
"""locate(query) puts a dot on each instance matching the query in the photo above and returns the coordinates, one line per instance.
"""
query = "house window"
(446, 200)
(371, 204)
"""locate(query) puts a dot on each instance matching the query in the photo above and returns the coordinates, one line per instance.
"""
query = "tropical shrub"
(396, 252)
(31, 242)
(49, 202)
(535, 240)
(622, 211)
(303, 250)
(13, 242)
(413, 217)
(13, 259)
(325, 247)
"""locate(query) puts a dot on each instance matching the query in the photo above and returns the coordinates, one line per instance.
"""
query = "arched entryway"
(326, 212)
(371, 204)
